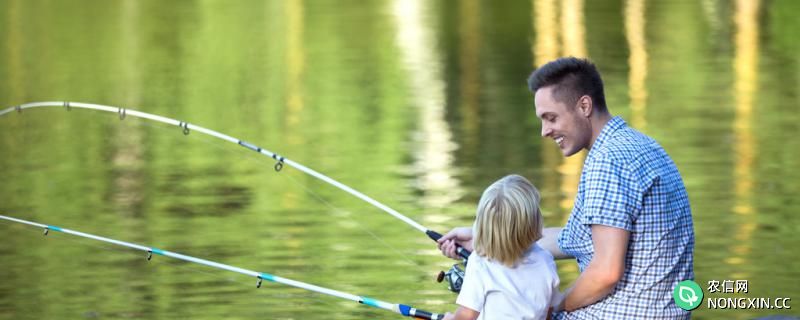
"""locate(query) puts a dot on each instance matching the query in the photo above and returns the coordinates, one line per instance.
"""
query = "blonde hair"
(508, 220)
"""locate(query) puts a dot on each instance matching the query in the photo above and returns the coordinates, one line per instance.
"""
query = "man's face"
(567, 125)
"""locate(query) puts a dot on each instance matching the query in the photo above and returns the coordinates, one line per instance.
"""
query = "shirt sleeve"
(473, 293)
(557, 296)
(612, 195)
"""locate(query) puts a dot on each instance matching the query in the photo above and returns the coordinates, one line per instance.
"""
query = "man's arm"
(549, 242)
(463, 236)
(605, 269)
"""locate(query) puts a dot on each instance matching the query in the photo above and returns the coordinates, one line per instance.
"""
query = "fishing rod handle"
(461, 251)
(415, 313)
(419, 314)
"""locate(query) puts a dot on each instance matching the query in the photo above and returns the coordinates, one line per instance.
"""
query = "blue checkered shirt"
(629, 182)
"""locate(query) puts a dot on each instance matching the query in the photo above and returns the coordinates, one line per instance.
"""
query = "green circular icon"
(688, 295)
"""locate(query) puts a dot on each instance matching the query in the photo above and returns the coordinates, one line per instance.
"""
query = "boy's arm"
(461, 236)
(462, 313)
(549, 242)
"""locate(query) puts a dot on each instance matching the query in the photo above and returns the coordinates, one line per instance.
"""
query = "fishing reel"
(454, 276)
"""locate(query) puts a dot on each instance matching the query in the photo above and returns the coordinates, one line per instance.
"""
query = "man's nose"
(545, 130)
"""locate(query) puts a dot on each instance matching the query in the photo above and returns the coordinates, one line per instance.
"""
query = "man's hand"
(461, 236)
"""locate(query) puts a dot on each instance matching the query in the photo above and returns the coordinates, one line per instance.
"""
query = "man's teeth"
(559, 140)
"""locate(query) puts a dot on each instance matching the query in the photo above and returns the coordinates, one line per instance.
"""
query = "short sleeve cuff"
(470, 303)
(624, 224)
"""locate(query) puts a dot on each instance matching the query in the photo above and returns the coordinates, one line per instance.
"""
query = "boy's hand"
(448, 316)
(461, 236)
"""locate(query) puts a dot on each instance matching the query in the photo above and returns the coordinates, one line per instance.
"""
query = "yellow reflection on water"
(546, 48)
(745, 64)
(295, 61)
(433, 161)
(637, 87)
(573, 28)
(295, 67)
(469, 66)
(128, 150)
(545, 28)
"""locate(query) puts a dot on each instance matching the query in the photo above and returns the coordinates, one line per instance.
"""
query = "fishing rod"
(402, 309)
(188, 127)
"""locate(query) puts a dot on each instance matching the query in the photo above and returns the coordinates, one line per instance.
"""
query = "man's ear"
(585, 105)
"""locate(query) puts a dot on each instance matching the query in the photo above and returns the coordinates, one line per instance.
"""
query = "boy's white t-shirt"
(499, 292)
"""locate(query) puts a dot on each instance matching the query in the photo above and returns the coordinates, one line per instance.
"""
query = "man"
(631, 228)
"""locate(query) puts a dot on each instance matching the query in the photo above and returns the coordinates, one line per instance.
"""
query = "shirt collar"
(611, 126)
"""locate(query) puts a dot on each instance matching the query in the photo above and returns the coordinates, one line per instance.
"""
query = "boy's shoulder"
(535, 257)
(537, 254)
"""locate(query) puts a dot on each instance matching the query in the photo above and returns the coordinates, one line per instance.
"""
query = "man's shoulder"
(628, 145)
(628, 138)
(633, 155)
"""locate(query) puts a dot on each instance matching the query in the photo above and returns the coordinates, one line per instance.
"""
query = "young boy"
(508, 275)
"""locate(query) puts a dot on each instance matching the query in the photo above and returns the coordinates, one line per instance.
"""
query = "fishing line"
(140, 122)
(360, 226)
(260, 162)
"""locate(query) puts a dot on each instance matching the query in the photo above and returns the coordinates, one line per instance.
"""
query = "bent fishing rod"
(188, 127)
(402, 309)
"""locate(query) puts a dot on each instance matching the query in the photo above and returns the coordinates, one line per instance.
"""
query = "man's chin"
(568, 153)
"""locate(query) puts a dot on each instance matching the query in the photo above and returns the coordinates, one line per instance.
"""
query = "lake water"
(419, 104)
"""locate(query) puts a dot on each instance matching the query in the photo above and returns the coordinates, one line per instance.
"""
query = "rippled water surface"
(419, 104)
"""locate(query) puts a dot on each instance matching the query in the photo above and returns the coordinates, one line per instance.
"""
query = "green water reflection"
(419, 104)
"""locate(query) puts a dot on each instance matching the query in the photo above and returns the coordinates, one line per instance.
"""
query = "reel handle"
(454, 277)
